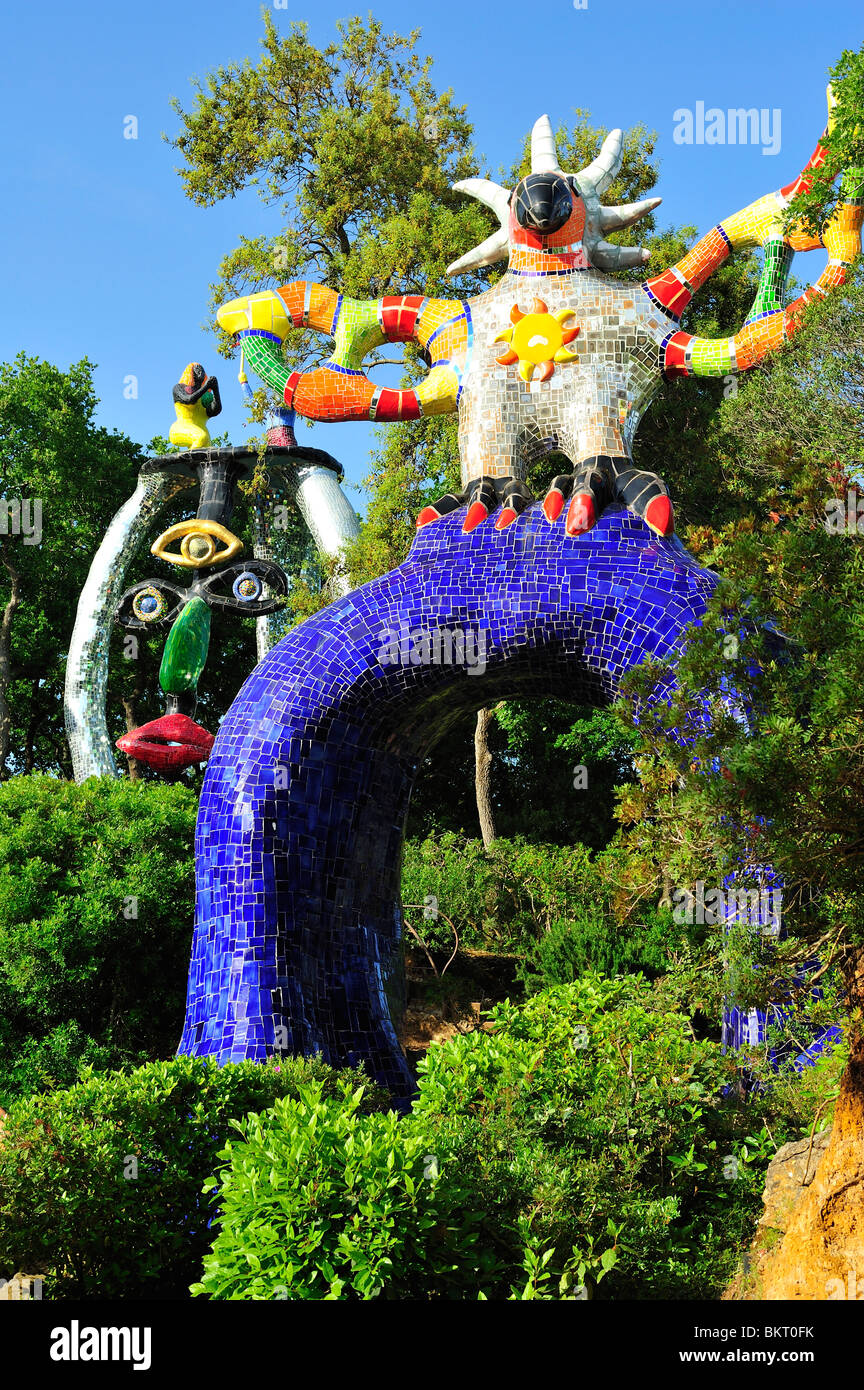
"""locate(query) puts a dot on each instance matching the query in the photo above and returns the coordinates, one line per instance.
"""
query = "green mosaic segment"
(772, 281)
(357, 332)
(185, 654)
(263, 357)
(711, 357)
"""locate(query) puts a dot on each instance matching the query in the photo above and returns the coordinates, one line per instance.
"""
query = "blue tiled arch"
(300, 826)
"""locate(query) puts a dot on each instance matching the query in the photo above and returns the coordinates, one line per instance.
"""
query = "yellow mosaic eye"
(198, 544)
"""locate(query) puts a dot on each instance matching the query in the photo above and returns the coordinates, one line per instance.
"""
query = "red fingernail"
(658, 515)
(428, 514)
(477, 512)
(553, 505)
(507, 517)
(581, 515)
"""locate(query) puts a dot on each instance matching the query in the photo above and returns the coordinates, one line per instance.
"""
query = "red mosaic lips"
(169, 744)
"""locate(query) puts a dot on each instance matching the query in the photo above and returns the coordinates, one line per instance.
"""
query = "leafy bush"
(584, 1137)
(101, 1184)
(96, 911)
(586, 1122)
(322, 1202)
(505, 898)
(554, 905)
(589, 939)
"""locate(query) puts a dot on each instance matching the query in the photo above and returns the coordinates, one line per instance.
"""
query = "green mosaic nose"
(185, 654)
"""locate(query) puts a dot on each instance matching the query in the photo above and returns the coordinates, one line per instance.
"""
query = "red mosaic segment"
(673, 362)
(668, 290)
(396, 405)
(802, 184)
(399, 316)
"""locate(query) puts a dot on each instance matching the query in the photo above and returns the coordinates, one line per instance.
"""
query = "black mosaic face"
(542, 202)
(156, 603)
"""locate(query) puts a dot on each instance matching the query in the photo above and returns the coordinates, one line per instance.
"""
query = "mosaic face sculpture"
(585, 353)
(206, 549)
(298, 912)
(204, 542)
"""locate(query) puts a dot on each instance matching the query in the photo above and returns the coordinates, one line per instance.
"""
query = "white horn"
(605, 256)
(613, 219)
(493, 249)
(600, 172)
(492, 194)
(544, 155)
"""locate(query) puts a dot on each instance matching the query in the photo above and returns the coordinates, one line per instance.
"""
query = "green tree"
(96, 906)
(52, 457)
(782, 786)
(845, 146)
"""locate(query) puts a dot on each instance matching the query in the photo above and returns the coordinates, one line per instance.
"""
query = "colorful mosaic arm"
(583, 354)
(768, 323)
(339, 390)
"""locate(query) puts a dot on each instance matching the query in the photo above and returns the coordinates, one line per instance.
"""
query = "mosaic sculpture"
(208, 551)
(584, 354)
(296, 945)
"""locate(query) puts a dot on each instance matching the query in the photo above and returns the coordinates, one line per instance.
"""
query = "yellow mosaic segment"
(754, 225)
(264, 310)
(439, 391)
(451, 343)
(842, 235)
(435, 313)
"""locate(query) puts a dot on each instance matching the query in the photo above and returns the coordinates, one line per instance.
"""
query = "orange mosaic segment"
(523, 259)
(800, 240)
(756, 339)
(704, 258)
(675, 287)
(333, 394)
(842, 234)
(310, 305)
(328, 394)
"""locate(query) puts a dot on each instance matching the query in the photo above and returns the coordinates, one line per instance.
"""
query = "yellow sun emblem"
(537, 340)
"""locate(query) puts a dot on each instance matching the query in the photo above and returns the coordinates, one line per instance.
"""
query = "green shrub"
(589, 939)
(553, 905)
(320, 1201)
(96, 912)
(504, 898)
(101, 1184)
(584, 1138)
(588, 1123)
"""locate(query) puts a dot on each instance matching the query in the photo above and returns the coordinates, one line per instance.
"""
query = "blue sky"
(106, 258)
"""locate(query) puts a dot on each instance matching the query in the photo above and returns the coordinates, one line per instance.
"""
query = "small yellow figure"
(196, 400)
